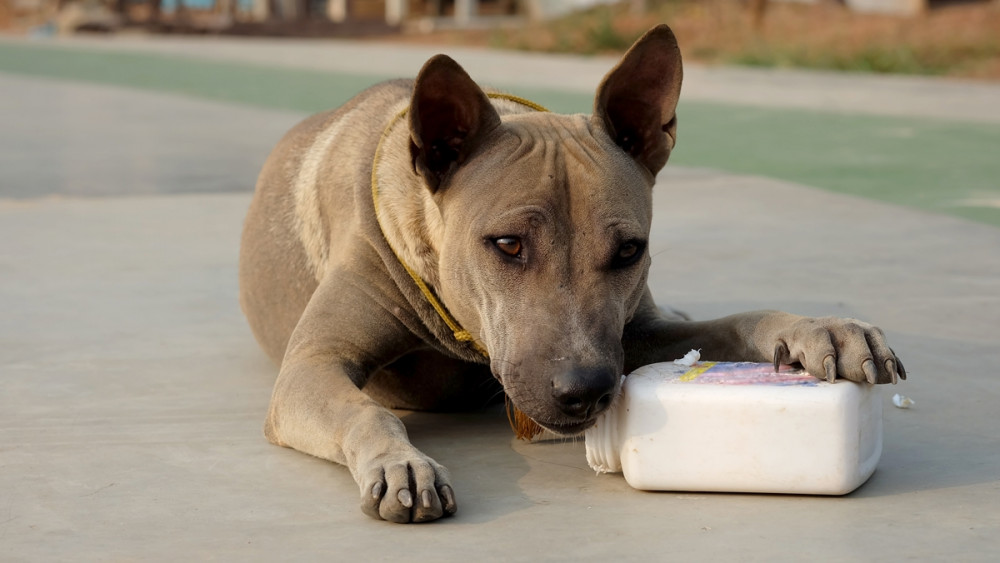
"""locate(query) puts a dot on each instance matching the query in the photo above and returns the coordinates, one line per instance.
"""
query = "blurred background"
(939, 37)
(891, 100)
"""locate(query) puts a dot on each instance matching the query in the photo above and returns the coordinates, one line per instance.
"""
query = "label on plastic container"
(742, 373)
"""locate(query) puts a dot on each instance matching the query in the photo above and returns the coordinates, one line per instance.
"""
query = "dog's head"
(545, 220)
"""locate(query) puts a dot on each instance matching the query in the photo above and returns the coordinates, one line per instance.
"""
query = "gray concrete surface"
(74, 139)
(132, 394)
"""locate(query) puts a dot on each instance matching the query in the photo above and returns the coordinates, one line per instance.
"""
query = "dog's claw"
(871, 373)
(890, 366)
(426, 499)
(448, 495)
(780, 353)
(830, 367)
(405, 498)
(377, 490)
(899, 366)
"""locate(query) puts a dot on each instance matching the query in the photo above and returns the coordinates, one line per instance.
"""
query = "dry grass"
(957, 40)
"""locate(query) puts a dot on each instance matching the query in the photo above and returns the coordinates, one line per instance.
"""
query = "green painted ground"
(934, 165)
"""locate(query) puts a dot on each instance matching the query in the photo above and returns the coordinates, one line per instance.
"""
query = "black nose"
(582, 392)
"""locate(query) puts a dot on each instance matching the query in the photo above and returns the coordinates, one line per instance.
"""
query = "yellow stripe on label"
(694, 373)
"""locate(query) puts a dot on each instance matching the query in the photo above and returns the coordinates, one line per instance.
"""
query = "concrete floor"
(132, 394)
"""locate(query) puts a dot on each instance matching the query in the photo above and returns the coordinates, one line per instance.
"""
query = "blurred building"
(294, 16)
(907, 7)
(333, 17)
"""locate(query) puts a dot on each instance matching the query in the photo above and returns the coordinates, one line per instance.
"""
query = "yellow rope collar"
(459, 333)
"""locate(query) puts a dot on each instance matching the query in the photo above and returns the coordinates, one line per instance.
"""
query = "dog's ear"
(449, 114)
(637, 100)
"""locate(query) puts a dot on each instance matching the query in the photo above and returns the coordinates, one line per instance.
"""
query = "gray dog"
(429, 242)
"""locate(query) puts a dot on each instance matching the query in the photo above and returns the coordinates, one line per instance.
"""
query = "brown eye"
(628, 250)
(511, 246)
(628, 253)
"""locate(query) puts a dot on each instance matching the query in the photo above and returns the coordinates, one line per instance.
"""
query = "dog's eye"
(628, 253)
(628, 250)
(511, 246)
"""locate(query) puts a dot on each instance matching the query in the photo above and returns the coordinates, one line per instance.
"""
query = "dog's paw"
(406, 487)
(829, 347)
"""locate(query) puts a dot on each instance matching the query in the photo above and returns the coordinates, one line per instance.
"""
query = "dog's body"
(529, 231)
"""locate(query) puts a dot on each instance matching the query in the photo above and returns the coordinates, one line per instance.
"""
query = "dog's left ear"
(449, 114)
(636, 102)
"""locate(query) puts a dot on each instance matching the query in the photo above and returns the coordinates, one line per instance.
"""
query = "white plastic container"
(739, 427)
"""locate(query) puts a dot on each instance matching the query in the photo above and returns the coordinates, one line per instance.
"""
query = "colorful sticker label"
(745, 373)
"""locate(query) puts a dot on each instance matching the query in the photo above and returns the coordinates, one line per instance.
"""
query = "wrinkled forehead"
(535, 157)
(569, 142)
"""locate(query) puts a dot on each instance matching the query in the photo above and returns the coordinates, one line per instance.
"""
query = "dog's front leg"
(826, 347)
(318, 407)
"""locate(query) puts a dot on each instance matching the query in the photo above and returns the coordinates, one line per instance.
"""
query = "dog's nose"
(582, 392)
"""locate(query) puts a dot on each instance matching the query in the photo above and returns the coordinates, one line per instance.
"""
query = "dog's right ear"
(449, 114)
(637, 101)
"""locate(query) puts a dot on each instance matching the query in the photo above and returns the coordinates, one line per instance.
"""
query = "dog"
(430, 243)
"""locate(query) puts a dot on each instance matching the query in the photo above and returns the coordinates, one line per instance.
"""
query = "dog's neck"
(404, 205)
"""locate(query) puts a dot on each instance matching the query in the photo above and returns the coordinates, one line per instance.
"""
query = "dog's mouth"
(571, 429)
(526, 428)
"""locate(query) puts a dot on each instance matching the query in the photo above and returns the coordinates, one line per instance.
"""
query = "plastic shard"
(902, 401)
(689, 359)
